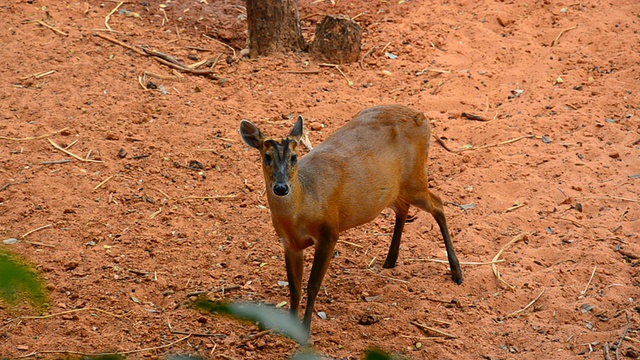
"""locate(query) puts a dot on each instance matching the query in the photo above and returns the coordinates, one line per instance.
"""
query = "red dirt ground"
(135, 235)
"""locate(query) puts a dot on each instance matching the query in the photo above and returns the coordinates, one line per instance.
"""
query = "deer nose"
(281, 189)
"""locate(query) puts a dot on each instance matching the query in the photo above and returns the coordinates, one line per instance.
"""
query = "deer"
(375, 161)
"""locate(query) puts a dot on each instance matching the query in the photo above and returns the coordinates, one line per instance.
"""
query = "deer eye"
(267, 159)
(294, 159)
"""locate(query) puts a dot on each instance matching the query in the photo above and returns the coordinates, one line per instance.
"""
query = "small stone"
(505, 20)
(322, 315)
(122, 153)
(418, 345)
(585, 308)
(386, 73)
(614, 156)
(22, 347)
(315, 126)
(368, 319)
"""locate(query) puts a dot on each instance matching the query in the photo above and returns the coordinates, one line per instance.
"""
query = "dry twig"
(514, 207)
(34, 230)
(221, 43)
(365, 55)
(461, 263)
(118, 42)
(214, 197)
(430, 329)
(72, 154)
(518, 312)
(51, 28)
(572, 221)
(583, 293)
(33, 137)
(498, 144)
(499, 280)
(118, 352)
(350, 243)
(555, 42)
(624, 335)
(103, 182)
(106, 18)
(337, 67)
(72, 311)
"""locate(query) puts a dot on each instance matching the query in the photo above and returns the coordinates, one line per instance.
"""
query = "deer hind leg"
(401, 210)
(432, 204)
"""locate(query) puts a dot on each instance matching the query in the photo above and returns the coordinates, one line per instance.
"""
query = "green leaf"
(266, 316)
(376, 354)
(18, 280)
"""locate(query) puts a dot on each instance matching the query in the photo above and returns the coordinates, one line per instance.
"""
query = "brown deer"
(375, 161)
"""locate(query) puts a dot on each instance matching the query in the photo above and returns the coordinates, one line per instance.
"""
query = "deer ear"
(251, 135)
(296, 132)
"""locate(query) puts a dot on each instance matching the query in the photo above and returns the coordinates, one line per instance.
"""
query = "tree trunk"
(274, 27)
(337, 40)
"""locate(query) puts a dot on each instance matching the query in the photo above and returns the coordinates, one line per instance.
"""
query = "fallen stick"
(184, 68)
(427, 328)
(253, 337)
(103, 182)
(439, 71)
(583, 293)
(39, 244)
(337, 67)
(39, 75)
(304, 72)
(498, 144)
(72, 154)
(221, 43)
(51, 27)
(34, 230)
(108, 38)
(106, 18)
(572, 221)
(55, 162)
(365, 55)
(518, 312)
(496, 273)
(118, 352)
(72, 311)
(514, 207)
(608, 197)
(555, 42)
(624, 335)
(442, 143)
(191, 197)
(33, 137)
(350, 243)
(461, 263)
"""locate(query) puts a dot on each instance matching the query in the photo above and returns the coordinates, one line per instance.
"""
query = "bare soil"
(131, 233)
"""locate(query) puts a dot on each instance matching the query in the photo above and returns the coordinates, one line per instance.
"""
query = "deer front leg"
(324, 252)
(293, 260)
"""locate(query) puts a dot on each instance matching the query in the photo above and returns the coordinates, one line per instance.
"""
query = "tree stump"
(274, 27)
(337, 40)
